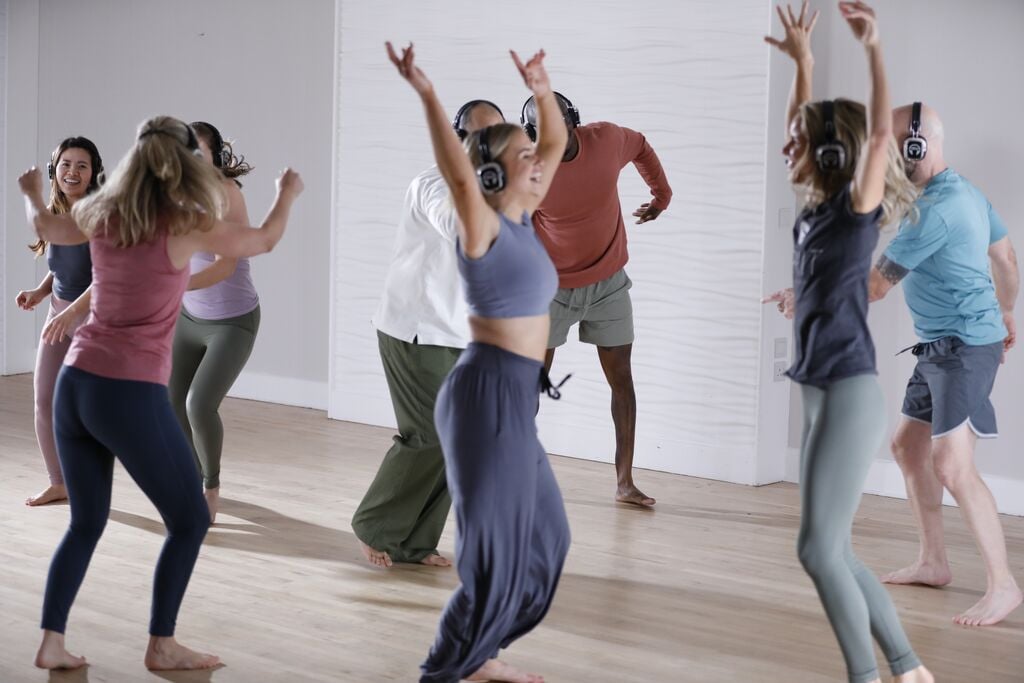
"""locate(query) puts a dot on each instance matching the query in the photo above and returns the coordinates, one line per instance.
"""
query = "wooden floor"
(706, 588)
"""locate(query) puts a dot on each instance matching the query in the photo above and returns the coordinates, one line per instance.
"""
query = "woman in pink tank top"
(162, 204)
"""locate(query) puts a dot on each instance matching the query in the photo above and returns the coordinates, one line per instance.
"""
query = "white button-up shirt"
(423, 296)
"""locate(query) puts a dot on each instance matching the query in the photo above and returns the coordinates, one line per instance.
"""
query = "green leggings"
(843, 428)
(208, 357)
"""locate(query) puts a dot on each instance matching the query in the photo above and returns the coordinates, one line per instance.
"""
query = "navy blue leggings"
(94, 418)
(512, 535)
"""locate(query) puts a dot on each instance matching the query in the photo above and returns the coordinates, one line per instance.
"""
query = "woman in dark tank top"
(843, 157)
(512, 534)
(75, 171)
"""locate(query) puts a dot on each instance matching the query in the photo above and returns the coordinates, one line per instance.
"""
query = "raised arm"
(869, 180)
(1006, 278)
(56, 229)
(797, 45)
(237, 240)
(552, 133)
(479, 222)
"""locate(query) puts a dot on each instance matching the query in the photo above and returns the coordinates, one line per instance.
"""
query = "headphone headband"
(569, 113)
(457, 126)
(192, 144)
(915, 147)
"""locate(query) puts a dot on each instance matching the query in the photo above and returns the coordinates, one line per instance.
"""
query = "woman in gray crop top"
(75, 170)
(512, 535)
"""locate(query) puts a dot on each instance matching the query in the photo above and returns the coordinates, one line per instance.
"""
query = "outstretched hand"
(407, 68)
(862, 21)
(797, 43)
(535, 76)
(290, 182)
(784, 301)
(31, 182)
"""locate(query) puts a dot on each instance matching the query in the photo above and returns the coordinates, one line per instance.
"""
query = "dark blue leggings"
(512, 535)
(94, 418)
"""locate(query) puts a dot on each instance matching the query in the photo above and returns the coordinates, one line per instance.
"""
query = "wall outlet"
(779, 374)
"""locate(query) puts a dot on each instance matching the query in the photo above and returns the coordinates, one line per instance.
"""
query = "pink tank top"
(136, 298)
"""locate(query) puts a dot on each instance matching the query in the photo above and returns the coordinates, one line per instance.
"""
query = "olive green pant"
(207, 359)
(404, 511)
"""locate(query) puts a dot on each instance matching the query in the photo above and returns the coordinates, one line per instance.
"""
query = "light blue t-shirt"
(949, 288)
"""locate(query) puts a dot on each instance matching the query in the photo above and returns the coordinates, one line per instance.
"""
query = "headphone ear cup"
(225, 157)
(915, 148)
(491, 177)
(531, 131)
(50, 170)
(830, 157)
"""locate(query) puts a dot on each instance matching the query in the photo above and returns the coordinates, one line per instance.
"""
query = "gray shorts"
(603, 310)
(951, 386)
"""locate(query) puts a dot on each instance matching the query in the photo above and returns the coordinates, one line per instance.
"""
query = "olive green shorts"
(603, 310)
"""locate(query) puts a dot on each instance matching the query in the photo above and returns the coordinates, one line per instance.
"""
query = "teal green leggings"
(843, 427)
(208, 357)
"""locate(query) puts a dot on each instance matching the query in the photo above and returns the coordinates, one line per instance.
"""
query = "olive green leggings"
(208, 357)
(843, 427)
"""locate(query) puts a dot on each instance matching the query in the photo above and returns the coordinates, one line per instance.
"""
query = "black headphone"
(915, 147)
(78, 142)
(831, 154)
(460, 130)
(220, 152)
(571, 114)
(192, 143)
(489, 173)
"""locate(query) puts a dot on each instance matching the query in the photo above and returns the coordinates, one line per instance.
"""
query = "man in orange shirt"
(580, 222)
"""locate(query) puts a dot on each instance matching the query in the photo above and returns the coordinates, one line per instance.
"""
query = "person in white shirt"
(422, 327)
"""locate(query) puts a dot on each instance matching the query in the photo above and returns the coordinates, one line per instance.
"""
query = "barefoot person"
(844, 159)
(963, 317)
(422, 328)
(75, 170)
(580, 223)
(220, 316)
(512, 534)
(160, 206)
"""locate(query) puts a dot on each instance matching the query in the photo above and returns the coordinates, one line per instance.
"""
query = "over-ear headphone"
(570, 113)
(192, 142)
(78, 142)
(489, 173)
(831, 154)
(460, 130)
(915, 147)
(220, 152)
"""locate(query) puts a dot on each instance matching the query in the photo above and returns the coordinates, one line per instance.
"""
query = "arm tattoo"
(891, 271)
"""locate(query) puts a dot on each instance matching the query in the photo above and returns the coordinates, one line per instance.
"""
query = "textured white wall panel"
(692, 76)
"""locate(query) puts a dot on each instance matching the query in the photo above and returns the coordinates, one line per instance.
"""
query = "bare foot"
(497, 670)
(993, 608)
(918, 675)
(213, 502)
(378, 558)
(52, 655)
(51, 494)
(167, 654)
(920, 574)
(634, 496)
(436, 560)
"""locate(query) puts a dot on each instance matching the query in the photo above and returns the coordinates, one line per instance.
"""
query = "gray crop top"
(514, 278)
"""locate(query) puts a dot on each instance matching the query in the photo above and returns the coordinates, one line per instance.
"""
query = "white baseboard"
(885, 479)
(288, 391)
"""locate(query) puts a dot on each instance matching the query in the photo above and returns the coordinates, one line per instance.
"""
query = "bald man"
(422, 326)
(963, 317)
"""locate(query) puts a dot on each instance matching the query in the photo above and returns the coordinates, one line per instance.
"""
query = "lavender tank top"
(229, 298)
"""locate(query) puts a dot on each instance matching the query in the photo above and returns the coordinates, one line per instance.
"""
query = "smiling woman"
(75, 170)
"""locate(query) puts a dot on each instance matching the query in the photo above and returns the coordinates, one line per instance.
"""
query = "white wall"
(964, 60)
(693, 77)
(259, 70)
